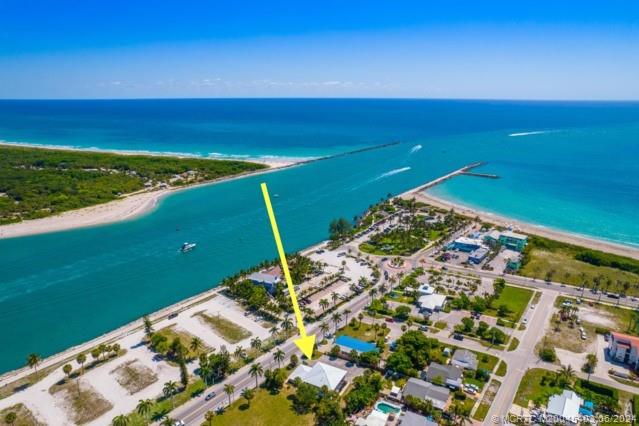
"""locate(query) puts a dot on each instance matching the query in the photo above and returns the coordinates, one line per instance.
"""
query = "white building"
(624, 348)
(431, 302)
(564, 407)
(425, 290)
(320, 375)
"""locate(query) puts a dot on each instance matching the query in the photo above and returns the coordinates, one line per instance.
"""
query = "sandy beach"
(528, 228)
(127, 207)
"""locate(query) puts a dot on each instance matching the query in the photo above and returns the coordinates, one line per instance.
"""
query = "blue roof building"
(348, 343)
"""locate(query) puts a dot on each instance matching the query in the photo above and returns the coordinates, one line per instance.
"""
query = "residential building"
(465, 244)
(448, 375)
(437, 395)
(431, 303)
(564, 408)
(408, 418)
(375, 418)
(464, 359)
(492, 237)
(319, 375)
(477, 256)
(267, 280)
(624, 348)
(513, 240)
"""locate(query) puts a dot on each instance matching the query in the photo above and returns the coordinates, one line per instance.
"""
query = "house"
(465, 244)
(437, 395)
(431, 302)
(347, 344)
(375, 418)
(448, 375)
(564, 408)
(477, 256)
(408, 418)
(513, 240)
(624, 348)
(319, 375)
(269, 278)
(464, 359)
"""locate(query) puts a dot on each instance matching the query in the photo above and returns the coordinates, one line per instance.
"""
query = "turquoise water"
(387, 408)
(60, 289)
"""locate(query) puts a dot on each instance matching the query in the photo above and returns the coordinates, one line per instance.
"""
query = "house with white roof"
(319, 375)
(431, 302)
(564, 408)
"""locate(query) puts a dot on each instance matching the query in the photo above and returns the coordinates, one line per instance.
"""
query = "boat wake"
(415, 149)
(537, 132)
(392, 172)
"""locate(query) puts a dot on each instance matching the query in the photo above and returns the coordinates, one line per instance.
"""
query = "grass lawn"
(265, 409)
(560, 259)
(24, 417)
(516, 300)
(83, 404)
(363, 331)
(172, 333)
(134, 376)
(226, 329)
(514, 344)
(502, 369)
(480, 413)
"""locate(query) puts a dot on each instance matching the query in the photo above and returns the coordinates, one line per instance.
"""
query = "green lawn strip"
(502, 369)
(171, 333)
(515, 299)
(513, 345)
(226, 329)
(264, 409)
(365, 332)
(544, 257)
(481, 412)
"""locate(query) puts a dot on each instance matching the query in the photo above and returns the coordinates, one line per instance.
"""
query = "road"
(192, 412)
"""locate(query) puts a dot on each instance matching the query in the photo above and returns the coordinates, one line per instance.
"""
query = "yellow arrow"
(305, 343)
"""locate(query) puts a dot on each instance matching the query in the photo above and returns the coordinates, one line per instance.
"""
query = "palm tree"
(334, 297)
(337, 317)
(196, 344)
(209, 417)
(120, 420)
(287, 325)
(148, 326)
(360, 317)
(167, 421)
(346, 312)
(324, 328)
(169, 390)
(239, 352)
(256, 371)
(278, 356)
(324, 304)
(256, 343)
(567, 374)
(591, 364)
(33, 360)
(81, 359)
(229, 389)
(373, 293)
(274, 331)
(248, 395)
(144, 408)
(67, 370)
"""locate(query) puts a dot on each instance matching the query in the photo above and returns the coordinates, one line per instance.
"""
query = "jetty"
(483, 175)
(463, 170)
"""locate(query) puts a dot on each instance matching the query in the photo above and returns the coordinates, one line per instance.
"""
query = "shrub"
(548, 354)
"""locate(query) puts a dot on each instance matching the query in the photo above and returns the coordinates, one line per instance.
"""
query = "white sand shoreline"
(128, 207)
(542, 231)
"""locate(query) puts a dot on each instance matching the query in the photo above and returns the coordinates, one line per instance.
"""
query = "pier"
(464, 170)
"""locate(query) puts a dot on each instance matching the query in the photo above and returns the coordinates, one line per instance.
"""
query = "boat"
(187, 247)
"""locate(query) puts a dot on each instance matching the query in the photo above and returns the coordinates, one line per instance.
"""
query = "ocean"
(571, 166)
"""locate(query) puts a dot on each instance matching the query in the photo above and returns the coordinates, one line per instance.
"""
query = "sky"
(585, 50)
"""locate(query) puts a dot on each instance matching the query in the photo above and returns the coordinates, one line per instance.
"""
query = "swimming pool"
(353, 343)
(387, 407)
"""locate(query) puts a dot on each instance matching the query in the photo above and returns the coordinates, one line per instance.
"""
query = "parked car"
(423, 328)
(210, 396)
(458, 336)
(390, 320)
(173, 315)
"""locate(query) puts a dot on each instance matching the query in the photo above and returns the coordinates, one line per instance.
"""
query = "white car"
(525, 321)
(532, 306)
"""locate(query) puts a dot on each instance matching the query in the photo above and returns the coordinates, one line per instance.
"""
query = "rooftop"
(466, 358)
(511, 234)
(565, 405)
(261, 277)
(421, 389)
(431, 301)
(408, 418)
(353, 343)
(319, 375)
(624, 338)
(446, 372)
